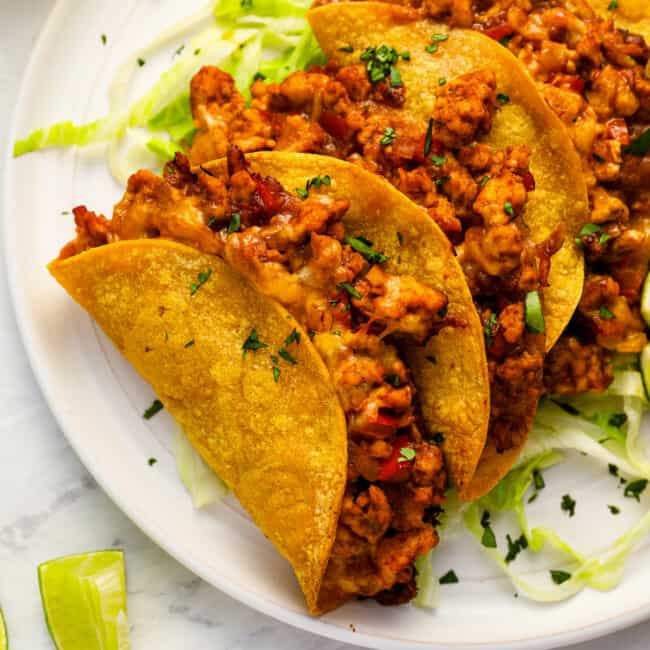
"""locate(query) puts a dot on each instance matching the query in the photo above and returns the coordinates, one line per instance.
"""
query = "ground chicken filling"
(296, 250)
(596, 78)
(474, 192)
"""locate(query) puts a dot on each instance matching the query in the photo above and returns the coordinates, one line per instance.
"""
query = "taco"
(455, 123)
(631, 15)
(191, 279)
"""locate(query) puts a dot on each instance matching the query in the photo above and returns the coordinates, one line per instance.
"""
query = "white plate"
(99, 400)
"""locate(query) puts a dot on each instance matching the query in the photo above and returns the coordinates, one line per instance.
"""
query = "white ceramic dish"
(99, 400)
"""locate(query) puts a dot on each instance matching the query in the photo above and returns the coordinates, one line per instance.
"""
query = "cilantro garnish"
(203, 277)
(568, 505)
(294, 337)
(346, 48)
(189, 344)
(515, 547)
(380, 63)
(450, 578)
(604, 313)
(406, 454)
(636, 488)
(156, 407)
(141, 61)
(253, 343)
(438, 160)
(614, 510)
(276, 374)
(287, 357)
(489, 329)
(432, 359)
(104, 39)
(152, 461)
(393, 380)
(428, 138)
(559, 577)
(303, 194)
(388, 137)
(613, 469)
(442, 81)
(364, 247)
(350, 289)
(640, 146)
(235, 223)
(502, 98)
(488, 539)
(507, 206)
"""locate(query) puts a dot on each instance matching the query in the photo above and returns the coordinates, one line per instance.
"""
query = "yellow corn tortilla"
(280, 446)
(560, 197)
(633, 15)
(454, 391)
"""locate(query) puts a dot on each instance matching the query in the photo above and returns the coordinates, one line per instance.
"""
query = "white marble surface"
(50, 506)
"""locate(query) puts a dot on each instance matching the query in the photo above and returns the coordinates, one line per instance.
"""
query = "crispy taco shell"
(633, 15)
(451, 371)
(560, 197)
(280, 446)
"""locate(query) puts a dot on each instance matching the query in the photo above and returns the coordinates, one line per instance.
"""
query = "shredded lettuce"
(428, 596)
(271, 37)
(204, 486)
(606, 427)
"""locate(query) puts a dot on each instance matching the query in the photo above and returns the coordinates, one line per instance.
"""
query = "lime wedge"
(4, 641)
(84, 598)
(645, 300)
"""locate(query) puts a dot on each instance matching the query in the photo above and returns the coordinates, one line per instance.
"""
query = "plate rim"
(278, 612)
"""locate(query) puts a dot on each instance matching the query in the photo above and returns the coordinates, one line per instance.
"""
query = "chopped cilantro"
(276, 374)
(507, 207)
(515, 547)
(294, 337)
(438, 160)
(505, 41)
(197, 51)
(406, 454)
(189, 344)
(141, 61)
(484, 181)
(613, 469)
(393, 380)
(488, 539)
(388, 137)
(489, 329)
(202, 278)
(395, 78)
(400, 238)
(640, 146)
(442, 180)
(502, 98)
(346, 48)
(617, 420)
(156, 407)
(614, 510)
(533, 497)
(406, 56)
(450, 578)
(428, 138)
(179, 51)
(317, 181)
(350, 289)
(568, 505)
(432, 359)
(104, 39)
(604, 313)
(432, 49)
(287, 357)
(259, 76)
(559, 577)
(211, 222)
(302, 193)
(538, 480)
(612, 5)
(380, 64)
(636, 488)
(152, 461)
(253, 343)
(439, 38)
(442, 81)
(364, 247)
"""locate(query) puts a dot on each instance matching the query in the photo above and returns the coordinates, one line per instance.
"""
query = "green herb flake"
(294, 337)
(432, 359)
(276, 374)
(613, 469)
(614, 510)
(484, 181)
(438, 161)
(450, 578)
(152, 461)
(346, 48)
(489, 329)
(141, 61)
(428, 138)
(568, 505)
(202, 278)
(211, 222)
(380, 64)
(317, 182)
(437, 438)
(604, 313)
(502, 98)
(406, 455)
(432, 49)
(507, 207)
(534, 315)
(350, 289)
(635, 489)
(439, 38)
(488, 539)
(253, 343)
(406, 56)
(617, 420)
(104, 39)
(442, 81)
(442, 180)
(559, 577)
(364, 247)
(156, 407)
(388, 137)
(235, 223)
(612, 5)
(197, 51)
(538, 480)
(287, 356)
(179, 51)
(515, 547)
(189, 344)
(395, 77)
(640, 146)
(400, 239)
(393, 380)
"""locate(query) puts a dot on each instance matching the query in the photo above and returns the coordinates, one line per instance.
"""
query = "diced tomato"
(577, 84)
(334, 124)
(271, 203)
(617, 130)
(393, 464)
(529, 181)
(499, 31)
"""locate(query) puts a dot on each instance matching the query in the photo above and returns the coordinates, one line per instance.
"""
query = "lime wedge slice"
(84, 598)
(4, 641)
(645, 300)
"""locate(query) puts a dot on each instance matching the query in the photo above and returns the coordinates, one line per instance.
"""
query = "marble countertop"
(51, 506)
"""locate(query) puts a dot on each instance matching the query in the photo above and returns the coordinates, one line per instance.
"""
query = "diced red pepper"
(499, 31)
(617, 130)
(529, 181)
(334, 124)
(271, 203)
(393, 463)
(578, 85)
